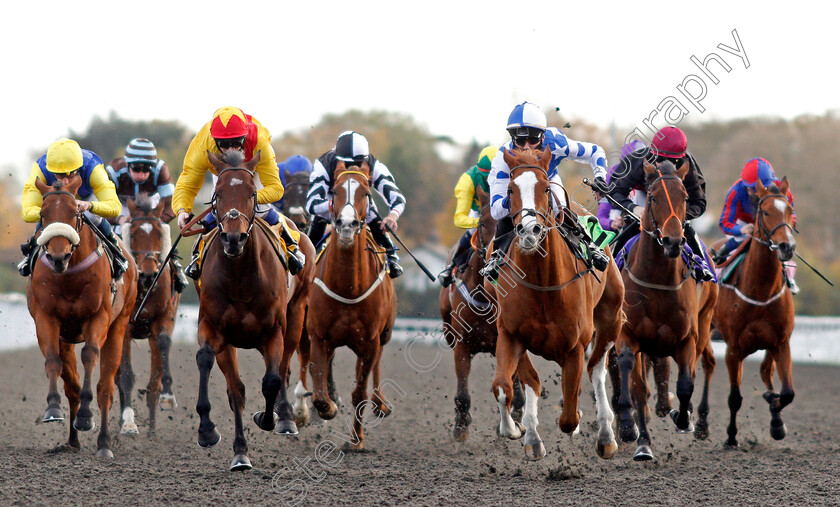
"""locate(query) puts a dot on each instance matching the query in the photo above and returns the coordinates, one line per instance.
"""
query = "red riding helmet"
(228, 123)
(669, 142)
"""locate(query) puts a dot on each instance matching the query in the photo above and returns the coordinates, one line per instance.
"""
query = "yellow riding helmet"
(486, 156)
(64, 156)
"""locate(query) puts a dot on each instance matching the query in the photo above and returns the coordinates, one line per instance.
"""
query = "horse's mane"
(774, 189)
(665, 168)
(57, 184)
(144, 202)
(233, 158)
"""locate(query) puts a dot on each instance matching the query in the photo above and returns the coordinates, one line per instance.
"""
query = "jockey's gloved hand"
(599, 185)
(183, 218)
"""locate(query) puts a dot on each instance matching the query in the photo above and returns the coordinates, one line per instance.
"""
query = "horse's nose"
(786, 251)
(63, 259)
(537, 229)
(672, 246)
(145, 280)
(519, 229)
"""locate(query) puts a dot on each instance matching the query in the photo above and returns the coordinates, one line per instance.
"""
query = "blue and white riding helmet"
(526, 119)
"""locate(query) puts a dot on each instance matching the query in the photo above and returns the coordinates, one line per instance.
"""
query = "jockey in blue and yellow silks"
(468, 208)
(66, 160)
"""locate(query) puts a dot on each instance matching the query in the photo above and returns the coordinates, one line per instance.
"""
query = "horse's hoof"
(83, 424)
(643, 453)
(778, 432)
(461, 433)
(326, 409)
(129, 428)
(702, 431)
(105, 453)
(209, 438)
(167, 402)
(688, 429)
(382, 411)
(53, 414)
(628, 433)
(521, 429)
(302, 416)
(730, 445)
(240, 463)
(286, 427)
(607, 451)
(259, 419)
(535, 452)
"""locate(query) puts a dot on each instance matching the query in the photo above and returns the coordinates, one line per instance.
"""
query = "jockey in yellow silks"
(231, 129)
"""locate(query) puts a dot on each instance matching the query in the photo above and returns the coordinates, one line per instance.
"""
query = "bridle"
(767, 235)
(656, 233)
(543, 218)
(141, 255)
(78, 217)
(357, 225)
(233, 213)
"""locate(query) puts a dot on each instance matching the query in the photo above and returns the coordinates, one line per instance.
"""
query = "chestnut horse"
(552, 304)
(149, 242)
(668, 313)
(353, 303)
(73, 299)
(755, 311)
(469, 317)
(243, 295)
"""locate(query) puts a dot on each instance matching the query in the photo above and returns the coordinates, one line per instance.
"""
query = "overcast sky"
(456, 67)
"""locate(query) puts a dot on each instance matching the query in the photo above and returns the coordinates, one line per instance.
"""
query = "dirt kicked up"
(410, 457)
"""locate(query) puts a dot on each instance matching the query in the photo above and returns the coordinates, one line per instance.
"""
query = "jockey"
(737, 220)
(669, 143)
(231, 129)
(528, 129)
(65, 160)
(352, 148)
(292, 165)
(609, 216)
(468, 208)
(140, 170)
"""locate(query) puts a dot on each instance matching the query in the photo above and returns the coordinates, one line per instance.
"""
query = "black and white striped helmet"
(351, 147)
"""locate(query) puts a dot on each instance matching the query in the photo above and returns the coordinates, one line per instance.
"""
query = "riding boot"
(384, 240)
(458, 258)
(179, 281)
(501, 243)
(699, 255)
(316, 230)
(193, 269)
(120, 262)
(28, 248)
(295, 258)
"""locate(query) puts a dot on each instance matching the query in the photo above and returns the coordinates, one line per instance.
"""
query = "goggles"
(138, 167)
(233, 143)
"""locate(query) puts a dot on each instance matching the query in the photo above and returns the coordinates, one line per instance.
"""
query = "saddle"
(272, 233)
(742, 249)
(372, 246)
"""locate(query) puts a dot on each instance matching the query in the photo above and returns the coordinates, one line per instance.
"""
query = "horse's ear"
(759, 186)
(132, 207)
(785, 186)
(510, 158)
(215, 161)
(251, 164)
(158, 211)
(682, 170)
(483, 197)
(546, 155)
(287, 175)
(649, 168)
(74, 186)
(41, 186)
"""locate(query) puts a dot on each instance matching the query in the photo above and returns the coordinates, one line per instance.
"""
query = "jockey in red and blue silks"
(738, 217)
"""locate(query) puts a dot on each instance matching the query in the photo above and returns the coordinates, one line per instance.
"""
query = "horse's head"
(294, 198)
(234, 200)
(774, 219)
(530, 196)
(146, 237)
(664, 214)
(486, 224)
(350, 202)
(61, 222)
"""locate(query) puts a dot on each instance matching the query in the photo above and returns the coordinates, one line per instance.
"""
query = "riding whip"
(420, 264)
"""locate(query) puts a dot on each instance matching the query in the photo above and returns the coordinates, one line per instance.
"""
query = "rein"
(233, 213)
(656, 233)
(145, 254)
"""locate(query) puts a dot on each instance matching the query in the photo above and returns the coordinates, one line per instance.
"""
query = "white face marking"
(781, 205)
(348, 212)
(147, 228)
(236, 181)
(527, 183)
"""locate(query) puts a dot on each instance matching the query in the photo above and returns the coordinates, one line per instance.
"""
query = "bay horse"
(469, 315)
(149, 242)
(667, 313)
(755, 311)
(243, 295)
(73, 299)
(294, 199)
(353, 303)
(552, 304)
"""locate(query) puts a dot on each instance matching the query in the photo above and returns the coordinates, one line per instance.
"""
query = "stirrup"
(599, 259)
(491, 268)
(394, 269)
(193, 271)
(296, 260)
(794, 288)
(23, 267)
(445, 277)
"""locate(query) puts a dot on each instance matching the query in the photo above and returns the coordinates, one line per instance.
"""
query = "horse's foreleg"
(534, 448)
(382, 408)
(708, 358)
(735, 366)
(153, 388)
(364, 365)
(236, 399)
(627, 430)
(597, 366)
(322, 353)
(639, 394)
(164, 346)
(204, 359)
(572, 365)
(301, 407)
(72, 388)
(125, 384)
(463, 418)
(95, 332)
(779, 401)
(286, 423)
(52, 348)
(661, 377)
(686, 358)
(508, 353)
(766, 370)
(108, 365)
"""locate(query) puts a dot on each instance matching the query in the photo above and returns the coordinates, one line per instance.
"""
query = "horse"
(755, 311)
(73, 299)
(551, 303)
(667, 313)
(468, 313)
(149, 242)
(353, 302)
(294, 200)
(243, 295)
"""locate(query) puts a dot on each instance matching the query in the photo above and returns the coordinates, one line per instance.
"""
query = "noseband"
(767, 235)
(77, 227)
(357, 228)
(544, 219)
(656, 233)
(233, 213)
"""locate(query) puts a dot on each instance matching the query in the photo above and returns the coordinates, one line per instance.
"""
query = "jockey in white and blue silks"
(528, 129)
